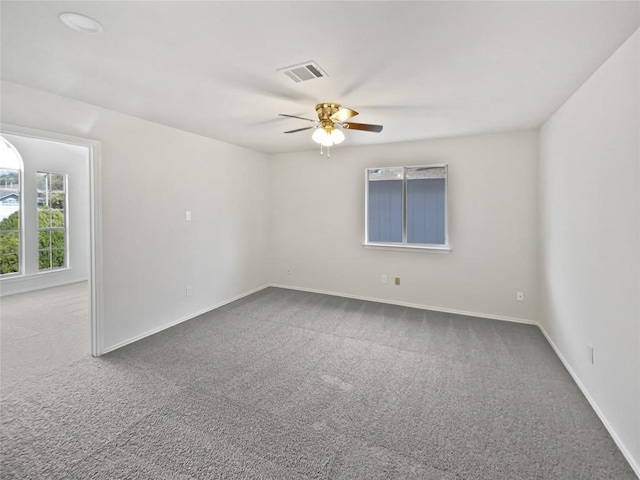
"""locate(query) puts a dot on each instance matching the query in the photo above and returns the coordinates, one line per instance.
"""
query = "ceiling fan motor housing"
(325, 110)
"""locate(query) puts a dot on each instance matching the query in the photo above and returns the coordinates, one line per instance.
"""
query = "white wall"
(47, 156)
(317, 225)
(590, 240)
(150, 175)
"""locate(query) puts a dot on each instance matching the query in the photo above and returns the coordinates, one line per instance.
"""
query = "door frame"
(95, 222)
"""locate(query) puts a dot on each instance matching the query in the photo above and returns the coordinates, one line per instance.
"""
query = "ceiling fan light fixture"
(322, 137)
(337, 136)
(319, 136)
(327, 138)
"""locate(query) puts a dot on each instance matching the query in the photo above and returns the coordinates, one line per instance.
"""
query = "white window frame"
(404, 246)
(51, 228)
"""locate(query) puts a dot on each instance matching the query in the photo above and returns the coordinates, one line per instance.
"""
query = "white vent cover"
(303, 71)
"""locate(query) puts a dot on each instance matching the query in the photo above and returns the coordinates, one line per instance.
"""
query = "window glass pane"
(384, 207)
(9, 243)
(57, 239)
(9, 156)
(389, 173)
(10, 179)
(57, 182)
(425, 211)
(57, 218)
(44, 259)
(11, 222)
(57, 258)
(416, 173)
(426, 205)
(44, 218)
(9, 199)
(9, 263)
(57, 200)
(44, 240)
(41, 179)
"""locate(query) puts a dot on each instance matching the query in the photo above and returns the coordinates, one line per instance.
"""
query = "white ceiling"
(422, 69)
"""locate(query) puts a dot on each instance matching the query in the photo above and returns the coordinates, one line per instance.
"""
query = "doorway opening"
(60, 248)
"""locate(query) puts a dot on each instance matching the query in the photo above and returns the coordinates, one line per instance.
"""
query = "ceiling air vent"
(303, 71)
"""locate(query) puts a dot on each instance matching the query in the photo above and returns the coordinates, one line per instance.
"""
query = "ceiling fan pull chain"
(328, 152)
(320, 149)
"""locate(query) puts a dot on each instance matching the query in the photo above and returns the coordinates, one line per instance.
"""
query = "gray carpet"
(43, 330)
(288, 385)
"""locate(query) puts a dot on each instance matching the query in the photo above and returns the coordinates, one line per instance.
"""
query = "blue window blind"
(407, 205)
(385, 211)
(425, 211)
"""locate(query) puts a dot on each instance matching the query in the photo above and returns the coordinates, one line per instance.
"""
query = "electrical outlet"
(187, 215)
(397, 280)
(590, 354)
(288, 271)
(383, 279)
(520, 296)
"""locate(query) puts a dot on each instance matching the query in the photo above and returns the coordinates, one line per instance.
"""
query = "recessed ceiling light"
(81, 23)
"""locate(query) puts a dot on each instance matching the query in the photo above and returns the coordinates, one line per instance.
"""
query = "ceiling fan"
(332, 119)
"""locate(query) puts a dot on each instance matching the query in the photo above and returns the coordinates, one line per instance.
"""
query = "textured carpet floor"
(288, 385)
(42, 330)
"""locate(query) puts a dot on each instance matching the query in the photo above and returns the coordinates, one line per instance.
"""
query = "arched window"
(11, 168)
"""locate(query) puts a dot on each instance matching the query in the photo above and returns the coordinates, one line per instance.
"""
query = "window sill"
(6, 276)
(446, 249)
(52, 270)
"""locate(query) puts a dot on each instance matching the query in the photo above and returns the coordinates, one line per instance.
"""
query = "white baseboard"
(180, 320)
(594, 405)
(31, 284)
(412, 305)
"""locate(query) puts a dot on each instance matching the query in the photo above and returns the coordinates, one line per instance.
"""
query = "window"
(10, 196)
(407, 207)
(52, 220)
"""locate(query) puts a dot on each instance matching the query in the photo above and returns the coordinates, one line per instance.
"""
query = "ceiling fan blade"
(295, 116)
(299, 129)
(363, 126)
(343, 114)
